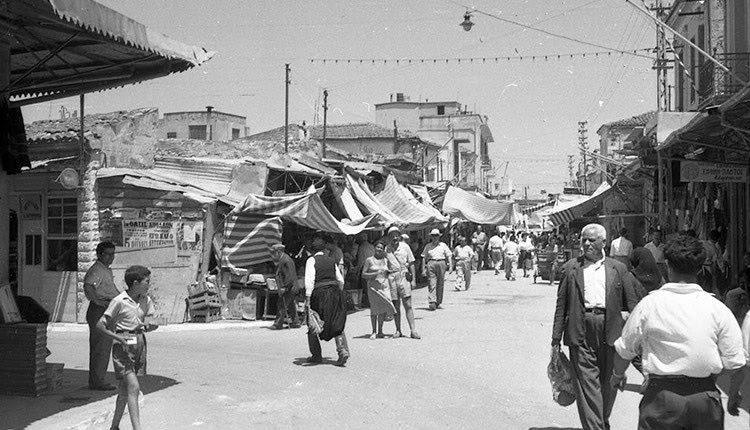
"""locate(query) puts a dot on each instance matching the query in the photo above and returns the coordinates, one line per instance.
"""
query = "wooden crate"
(204, 301)
(205, 315)
(23, 354)
(55, 376)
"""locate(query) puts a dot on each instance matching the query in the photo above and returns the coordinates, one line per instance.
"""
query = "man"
(286, 284)
(399, 253)
(496, 251)
(711, 277)
(593, 292)
(324, 294)
(686, 338)
(526, 254)
(510, 257)
(365, 250)
(479, 238)
(621, 249)
(657, 250)
(99, 287)
(436, 258)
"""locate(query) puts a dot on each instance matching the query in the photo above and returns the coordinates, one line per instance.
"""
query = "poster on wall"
(111, 230)
(31, 206)
(190, 235)
(141, 233)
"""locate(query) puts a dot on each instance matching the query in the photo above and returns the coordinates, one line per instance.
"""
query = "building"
(209, 125)
(462, 138)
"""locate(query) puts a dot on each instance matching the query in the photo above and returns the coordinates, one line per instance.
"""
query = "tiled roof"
(232, 150)
(68, 129)
(634, 121)
(354, 131)
(273, 135)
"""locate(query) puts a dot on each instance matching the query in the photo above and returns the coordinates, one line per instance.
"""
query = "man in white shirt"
(686, 338)
(496, 251)
(657, 250)
(621, 249)
(436, 259)
(593, 293)
(399, 252)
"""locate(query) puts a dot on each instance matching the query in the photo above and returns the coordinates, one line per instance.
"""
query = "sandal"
(397, 335)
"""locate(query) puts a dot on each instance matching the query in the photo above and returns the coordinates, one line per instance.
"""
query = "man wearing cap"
(286, 282)
(436, 258)
(399, 253)
(496, 250)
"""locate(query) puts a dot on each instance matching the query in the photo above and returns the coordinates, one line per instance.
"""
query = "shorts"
(400, 287)
(130, 358)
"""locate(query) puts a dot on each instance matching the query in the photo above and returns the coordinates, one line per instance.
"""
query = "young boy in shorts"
(123, 321)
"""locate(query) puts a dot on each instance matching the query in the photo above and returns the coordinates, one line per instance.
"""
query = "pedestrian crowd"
(662, 308)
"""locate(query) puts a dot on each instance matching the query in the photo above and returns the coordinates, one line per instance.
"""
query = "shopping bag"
(561, 377)
(314, 322)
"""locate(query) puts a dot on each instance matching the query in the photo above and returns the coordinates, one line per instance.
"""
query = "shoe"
(105, 387)
(432, 306)
(277, 327)
(397, 335)
(373, 336)
(314, 360)
(415, 335)
(295, 325)
(457, 289)
(343, 358)
(380, 336)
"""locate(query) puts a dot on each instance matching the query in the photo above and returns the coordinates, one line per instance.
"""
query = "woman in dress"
(376, 272)
(463, 255)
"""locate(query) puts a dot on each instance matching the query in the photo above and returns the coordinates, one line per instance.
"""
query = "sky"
(533, 106)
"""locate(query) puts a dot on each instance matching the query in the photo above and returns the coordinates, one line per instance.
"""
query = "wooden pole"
(325, 125)
(286, 110)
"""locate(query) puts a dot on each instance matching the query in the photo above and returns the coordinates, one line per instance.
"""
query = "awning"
(371, 204)
(421, 191)
(401, 202)
(305, 209)
(538, 207)
(480, 210)
(567, 212)
(61, 48)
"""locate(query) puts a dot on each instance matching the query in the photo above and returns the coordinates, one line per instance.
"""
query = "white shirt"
(496, 243)
(621, 247)
(594, 284)
(463, 253)
(510, 248)
(526, 245)
(657, 252)
(403, 255)
(310, 274)
(746, 337)
(682, 330)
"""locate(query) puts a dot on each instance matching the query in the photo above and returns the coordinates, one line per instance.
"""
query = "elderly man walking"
(686, 338)
(286, 283)
(593, 292)
(436, 258)
(99, 287)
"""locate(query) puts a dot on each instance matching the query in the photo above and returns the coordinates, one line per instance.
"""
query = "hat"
(434, 232)
(405, 236)
(394, 228)
(277, 247)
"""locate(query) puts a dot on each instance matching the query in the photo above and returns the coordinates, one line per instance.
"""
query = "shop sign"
(694, 171)
(148, 234)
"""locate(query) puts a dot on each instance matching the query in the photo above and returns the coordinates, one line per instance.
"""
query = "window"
(441, 110)
(62, 232)
(235, 133)
(197, 132)
(171, 135)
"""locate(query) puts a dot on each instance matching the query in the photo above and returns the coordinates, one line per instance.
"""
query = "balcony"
(715, 84)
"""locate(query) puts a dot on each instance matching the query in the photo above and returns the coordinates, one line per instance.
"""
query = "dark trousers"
(286, 306)
(683, 403)
(592, 365)
(100, 347)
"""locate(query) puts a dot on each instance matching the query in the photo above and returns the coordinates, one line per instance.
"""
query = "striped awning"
(364, 196)
(248, 239)
(477, 209)
(577, 209)
(400, 201)
(538, 207)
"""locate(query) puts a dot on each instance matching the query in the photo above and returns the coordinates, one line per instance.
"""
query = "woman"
(645, 270)
(375, 271)
(463, 255)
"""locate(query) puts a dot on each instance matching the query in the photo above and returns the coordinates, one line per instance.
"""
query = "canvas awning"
(365, 197)
(480, 210)
(401, 202)
(61, 48)
(567, 212)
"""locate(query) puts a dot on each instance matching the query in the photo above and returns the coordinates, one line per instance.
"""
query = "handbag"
(561, 377)
(314, 323)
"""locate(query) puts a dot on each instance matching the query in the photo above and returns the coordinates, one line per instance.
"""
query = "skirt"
(379, 295)
(330, 303)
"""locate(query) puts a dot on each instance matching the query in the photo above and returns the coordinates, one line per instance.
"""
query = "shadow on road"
(555, 428)
(19, 412)
(302, 361)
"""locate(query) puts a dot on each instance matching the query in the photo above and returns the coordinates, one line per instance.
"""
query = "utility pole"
(325, 124)
(583, 144)
(571, 173)
(661, 63)
(286, 110)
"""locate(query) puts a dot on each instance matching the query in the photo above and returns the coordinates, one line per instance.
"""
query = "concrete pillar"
(4, 186)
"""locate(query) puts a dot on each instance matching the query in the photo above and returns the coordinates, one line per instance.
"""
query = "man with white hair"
(593, 292)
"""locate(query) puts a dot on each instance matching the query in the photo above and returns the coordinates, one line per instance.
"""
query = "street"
(481, 363)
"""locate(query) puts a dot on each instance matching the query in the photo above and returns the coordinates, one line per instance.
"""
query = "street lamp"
(467, 24)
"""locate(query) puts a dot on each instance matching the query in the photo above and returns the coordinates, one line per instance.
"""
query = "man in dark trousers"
(99, 287)
(592, 294)
(286, 284)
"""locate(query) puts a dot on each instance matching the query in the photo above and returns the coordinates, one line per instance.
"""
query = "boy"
(123, 323)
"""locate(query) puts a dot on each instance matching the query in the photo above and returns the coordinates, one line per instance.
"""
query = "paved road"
(481, 363)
